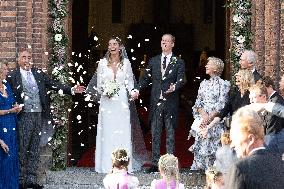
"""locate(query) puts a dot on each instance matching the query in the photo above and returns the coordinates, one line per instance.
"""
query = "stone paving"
(87, 178)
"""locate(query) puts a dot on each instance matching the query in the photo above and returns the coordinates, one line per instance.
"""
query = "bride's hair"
(120, 158)
(121, 52)
(169, 167)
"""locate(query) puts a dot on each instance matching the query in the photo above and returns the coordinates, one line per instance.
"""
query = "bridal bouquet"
(110, 88)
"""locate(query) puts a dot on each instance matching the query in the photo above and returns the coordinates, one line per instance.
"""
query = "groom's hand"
(79, 89)
(134, 94)
(171, 89)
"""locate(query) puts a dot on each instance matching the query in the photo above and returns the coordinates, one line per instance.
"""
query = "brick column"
(8, 13)
(259, 33)
(282, 38)
(272, 34)
(22, 23)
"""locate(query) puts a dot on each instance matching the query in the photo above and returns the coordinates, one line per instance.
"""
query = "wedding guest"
(275, 108)
(9, 162)
(214, 179)
(169, 171)
(248, 60)
(212, 96)
(225, 155)
(119, 178)
(257, 168)
(239, 95)
(165, 75)
(273, 125)
(31, 87)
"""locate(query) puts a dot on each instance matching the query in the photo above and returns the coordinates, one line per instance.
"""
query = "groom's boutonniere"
(173, 60)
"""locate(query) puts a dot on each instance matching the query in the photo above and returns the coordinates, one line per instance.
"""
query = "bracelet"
(8, 112)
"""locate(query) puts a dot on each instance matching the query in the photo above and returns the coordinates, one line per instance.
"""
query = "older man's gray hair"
(251, 56)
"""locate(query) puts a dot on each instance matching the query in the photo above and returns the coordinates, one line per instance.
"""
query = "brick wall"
(23, 25)
(8, 12)
(282, 37)
(267, 21)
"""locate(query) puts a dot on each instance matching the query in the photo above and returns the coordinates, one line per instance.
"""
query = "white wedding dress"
(114, 128)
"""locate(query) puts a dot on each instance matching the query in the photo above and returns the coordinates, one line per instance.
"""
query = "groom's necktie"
(165, 62)
(30, 80)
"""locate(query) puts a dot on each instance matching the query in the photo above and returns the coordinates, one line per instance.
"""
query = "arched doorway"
(197, 25)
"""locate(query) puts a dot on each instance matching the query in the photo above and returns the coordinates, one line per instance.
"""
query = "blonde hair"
(259, 88)
(247, 80)
(120, 158)
(218, 63)
(212, 175)
(248, 122)
(225, 139)
(169, 166)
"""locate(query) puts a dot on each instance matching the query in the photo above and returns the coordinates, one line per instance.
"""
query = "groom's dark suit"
(163, 110)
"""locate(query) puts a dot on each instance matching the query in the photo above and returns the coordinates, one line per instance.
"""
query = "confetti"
(78, 117)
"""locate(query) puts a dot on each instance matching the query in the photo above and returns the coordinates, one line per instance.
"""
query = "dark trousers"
(160, 116)
(29, 128)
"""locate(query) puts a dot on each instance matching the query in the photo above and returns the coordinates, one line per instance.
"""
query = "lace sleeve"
(93, 91)
(129, 81)
(100, 76)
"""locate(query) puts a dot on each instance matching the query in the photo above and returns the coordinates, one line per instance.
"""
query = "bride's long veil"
(139, 152)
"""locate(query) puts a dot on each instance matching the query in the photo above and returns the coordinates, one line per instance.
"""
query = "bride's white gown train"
(114, 129)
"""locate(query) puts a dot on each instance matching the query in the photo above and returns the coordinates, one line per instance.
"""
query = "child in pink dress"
(169, 170)
(119, 178)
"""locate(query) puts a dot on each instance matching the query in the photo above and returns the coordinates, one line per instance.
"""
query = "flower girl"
(119, 178)
(169, 170)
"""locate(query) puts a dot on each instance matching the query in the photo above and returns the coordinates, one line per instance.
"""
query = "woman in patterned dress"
(212, 96)
(9, 163)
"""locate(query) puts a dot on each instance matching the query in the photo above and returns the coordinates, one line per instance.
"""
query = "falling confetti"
(78, 117)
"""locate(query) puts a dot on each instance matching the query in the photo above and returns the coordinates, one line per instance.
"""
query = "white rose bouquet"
(110, 88)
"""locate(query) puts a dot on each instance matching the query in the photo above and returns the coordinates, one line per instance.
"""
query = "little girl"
(119, 178)
(169, 170)
(214, 179)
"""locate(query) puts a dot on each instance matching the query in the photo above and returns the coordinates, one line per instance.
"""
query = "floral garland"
(241, 35)
(60, 71)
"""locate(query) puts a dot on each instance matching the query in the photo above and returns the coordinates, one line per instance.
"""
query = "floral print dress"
(212, 96)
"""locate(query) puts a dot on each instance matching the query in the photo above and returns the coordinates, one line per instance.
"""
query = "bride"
(113, 81)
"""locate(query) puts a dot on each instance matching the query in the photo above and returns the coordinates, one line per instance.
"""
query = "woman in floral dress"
(212, 96)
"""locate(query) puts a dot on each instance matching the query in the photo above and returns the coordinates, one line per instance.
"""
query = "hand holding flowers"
(110, 88)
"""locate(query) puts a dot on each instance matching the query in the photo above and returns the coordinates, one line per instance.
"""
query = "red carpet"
(181, 145)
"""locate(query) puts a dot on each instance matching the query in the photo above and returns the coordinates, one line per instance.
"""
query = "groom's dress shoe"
(152, 169)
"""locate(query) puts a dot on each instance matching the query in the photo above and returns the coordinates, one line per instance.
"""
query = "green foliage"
(241, 35)
(60, 71)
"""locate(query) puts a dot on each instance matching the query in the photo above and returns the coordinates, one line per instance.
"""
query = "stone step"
(87, 178)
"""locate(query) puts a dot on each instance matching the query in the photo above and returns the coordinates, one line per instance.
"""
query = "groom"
(166, 73)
